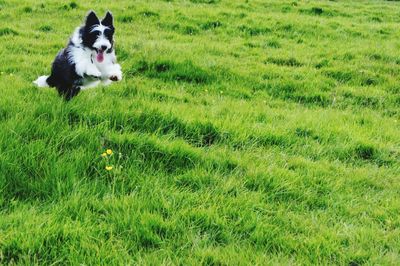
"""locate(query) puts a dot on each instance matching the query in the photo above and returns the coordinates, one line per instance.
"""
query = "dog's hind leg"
(72, 92)
(69, 93)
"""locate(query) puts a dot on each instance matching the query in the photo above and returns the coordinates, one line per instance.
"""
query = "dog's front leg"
(114, 72)
(86, 67)
(91, 70)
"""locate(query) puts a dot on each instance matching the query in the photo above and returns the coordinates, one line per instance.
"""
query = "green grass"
(243, 132)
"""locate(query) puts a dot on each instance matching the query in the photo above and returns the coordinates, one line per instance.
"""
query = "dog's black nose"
(103, 47)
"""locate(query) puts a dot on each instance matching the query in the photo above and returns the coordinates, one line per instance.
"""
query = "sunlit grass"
(243, 132)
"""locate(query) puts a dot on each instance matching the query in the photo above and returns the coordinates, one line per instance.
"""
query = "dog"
(87, 61)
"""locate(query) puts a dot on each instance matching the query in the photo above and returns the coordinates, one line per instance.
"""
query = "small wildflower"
(11, 74)
(206, 90)
(221, 92)
(109, 168)
(109, 151)
(103, 154)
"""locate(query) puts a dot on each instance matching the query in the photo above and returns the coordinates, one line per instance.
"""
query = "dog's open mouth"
(100, 55)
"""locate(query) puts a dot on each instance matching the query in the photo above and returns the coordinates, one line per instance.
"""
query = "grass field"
(243, 133)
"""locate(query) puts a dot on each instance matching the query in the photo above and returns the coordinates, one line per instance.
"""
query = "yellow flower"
(109, 151)
(109, 168)
(103, 154)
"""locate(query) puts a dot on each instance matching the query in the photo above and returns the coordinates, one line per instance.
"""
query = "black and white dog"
(87, 61)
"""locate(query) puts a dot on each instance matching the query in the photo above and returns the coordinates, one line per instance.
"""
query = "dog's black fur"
(63, 76)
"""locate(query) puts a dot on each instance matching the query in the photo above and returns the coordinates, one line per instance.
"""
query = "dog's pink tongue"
(100, 57)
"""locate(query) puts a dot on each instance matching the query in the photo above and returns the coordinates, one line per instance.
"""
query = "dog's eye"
(108, 33)
(95, 32)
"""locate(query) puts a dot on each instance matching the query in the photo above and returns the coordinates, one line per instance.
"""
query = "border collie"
(87, 61)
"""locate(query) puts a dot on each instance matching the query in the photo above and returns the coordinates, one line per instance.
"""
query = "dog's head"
(98, 35)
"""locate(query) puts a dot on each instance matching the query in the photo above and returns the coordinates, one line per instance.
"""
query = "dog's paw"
(92, 72)
(114, 72)
(116, 76)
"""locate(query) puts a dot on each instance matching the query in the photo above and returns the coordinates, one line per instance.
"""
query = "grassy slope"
(248, 132)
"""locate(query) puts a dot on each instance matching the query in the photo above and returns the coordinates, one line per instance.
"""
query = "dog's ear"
(108, 19)
(92, 19)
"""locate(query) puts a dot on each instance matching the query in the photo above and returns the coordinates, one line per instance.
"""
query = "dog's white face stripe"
(100, 28)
